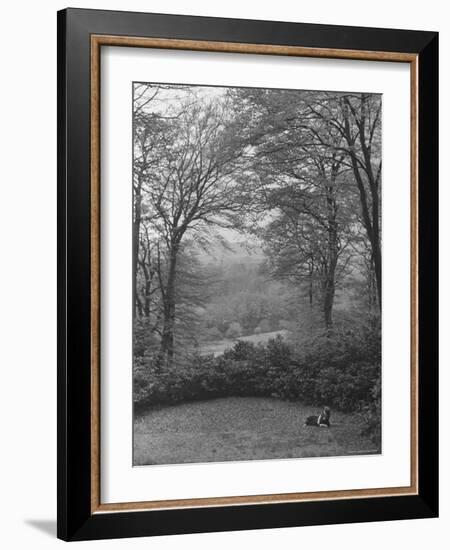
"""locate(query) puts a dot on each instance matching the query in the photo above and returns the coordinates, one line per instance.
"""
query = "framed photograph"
(247, 254)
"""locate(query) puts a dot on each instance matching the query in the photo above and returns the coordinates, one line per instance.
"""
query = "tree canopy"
(297, 172)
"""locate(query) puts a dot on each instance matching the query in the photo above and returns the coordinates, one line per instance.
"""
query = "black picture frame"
(76, 521)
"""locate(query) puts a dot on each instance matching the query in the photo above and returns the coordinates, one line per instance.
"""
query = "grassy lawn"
(241, 428)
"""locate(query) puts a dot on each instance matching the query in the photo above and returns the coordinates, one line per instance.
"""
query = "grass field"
(241, 428)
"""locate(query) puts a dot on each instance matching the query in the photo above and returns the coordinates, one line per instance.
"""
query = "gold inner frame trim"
(97, 41)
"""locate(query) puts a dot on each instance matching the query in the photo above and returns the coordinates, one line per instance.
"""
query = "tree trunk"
(376, 237)
(329, 291)
(310, 285)
(377, 266)
(330, 271)
(136, 231)
(166, 352)
(370, 215)
(147, 288)
(328, 307)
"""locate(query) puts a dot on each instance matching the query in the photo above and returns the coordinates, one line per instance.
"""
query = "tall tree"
(148, 134)
(308, 238)
(193, 189)
(357, 119)
(305, 184)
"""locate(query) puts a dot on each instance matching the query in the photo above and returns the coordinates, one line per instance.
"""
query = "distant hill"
(232, 252)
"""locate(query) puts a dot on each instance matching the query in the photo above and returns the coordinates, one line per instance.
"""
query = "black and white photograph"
(224, 283)
(256, 272)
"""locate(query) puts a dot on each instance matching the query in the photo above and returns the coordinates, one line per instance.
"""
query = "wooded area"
(256, 211)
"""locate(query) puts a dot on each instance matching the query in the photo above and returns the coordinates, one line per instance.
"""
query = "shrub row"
(341, 370)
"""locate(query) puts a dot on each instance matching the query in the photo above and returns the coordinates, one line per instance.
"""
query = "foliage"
(144, 340)
(242, 293)
(296, 177)
(340, 369)
(372, 415)
(214, 334)
(234, 330)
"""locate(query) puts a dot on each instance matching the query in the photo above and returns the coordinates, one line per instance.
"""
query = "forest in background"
(257, 212)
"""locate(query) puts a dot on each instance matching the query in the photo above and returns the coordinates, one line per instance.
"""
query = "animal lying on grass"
(322, 420)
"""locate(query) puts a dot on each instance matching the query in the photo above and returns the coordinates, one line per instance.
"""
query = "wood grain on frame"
(124, 41)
